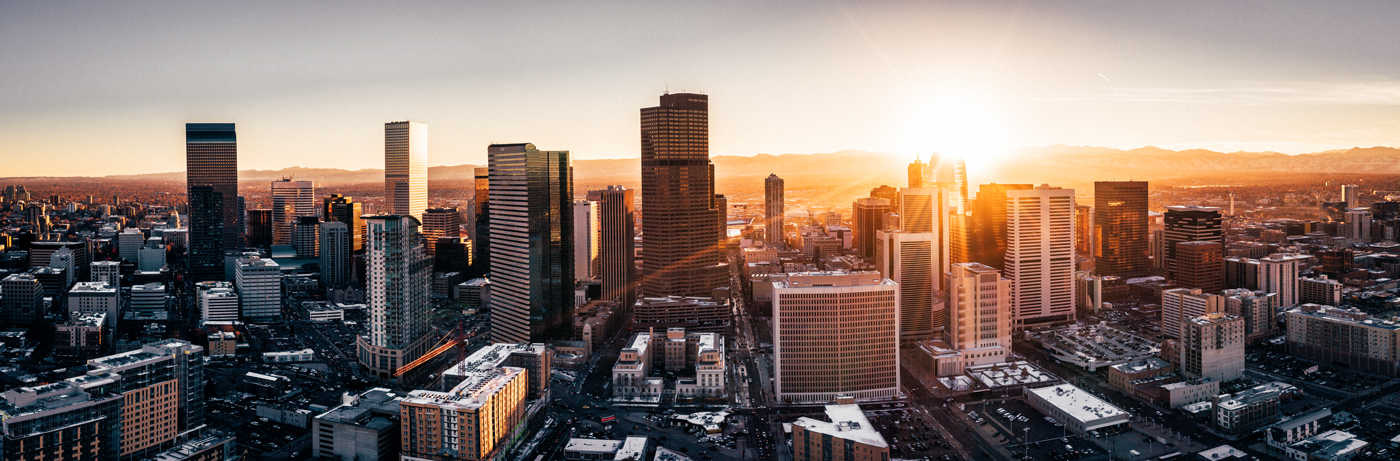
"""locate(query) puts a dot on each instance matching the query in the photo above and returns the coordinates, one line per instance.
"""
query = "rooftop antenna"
(668, 89)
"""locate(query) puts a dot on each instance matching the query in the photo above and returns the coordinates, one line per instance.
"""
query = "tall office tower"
(240, 220)
(206, 234)
(454, 254)
(259, 284)
(1159, 250)
(406, 168)
(681, 224)
(1040, 255)
(1320, 290)
(917, 174)
(586, 239)
(1120, 229)
(1359, 224)
(617, 244)
(925, 210)
(211, 159)
(908, 258)
(218, 302)
(290, 200)
(1189, 224)
(129, 243)
(399, 280)
(1212, 346)
(344, 209)
(1351, 195)
(835, 333)
(306, 237)
(532, 248)
(162, 385)
(1084, 230)
(1200, 265)
(887, 193)
(959, 184)
(109, 272)
(869, 218)
(983, 233)
(260, 228)
(481, 242)
(1180, 304)
(22, 300)
(979, 311)
(441, 222)
(773, 210)
(1278, 273)
(335, 254)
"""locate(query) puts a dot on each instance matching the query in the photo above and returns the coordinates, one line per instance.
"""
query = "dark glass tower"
(481, 245)
(532, 248)
(206, 233)
(1189, 224)
(980, 236)
(344, 209)
(211, 159)
(773, 209)
(682, 223)
(869, 217)
(1120, 229)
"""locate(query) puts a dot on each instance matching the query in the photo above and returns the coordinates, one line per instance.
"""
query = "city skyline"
(975, 80)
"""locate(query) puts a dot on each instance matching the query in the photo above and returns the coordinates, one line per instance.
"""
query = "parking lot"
(908, 434)
(1291, 368)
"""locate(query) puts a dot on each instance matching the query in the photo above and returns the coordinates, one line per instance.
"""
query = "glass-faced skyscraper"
(211, 159)
(206, 234)
(406, 168)
(291, 200)
(617, 245)
(773, 209)
(532, 248)
(1120, 229)
(682, 221)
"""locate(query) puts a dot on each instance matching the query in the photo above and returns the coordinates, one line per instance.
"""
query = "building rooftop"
(491, 357)
(847, 422)
(595, 446)
(633, 447)
(376, 408)
(1221, 452)
(1077, 403)
(817, 279)
(1138, 366)
(471, 393)
(1332, 444)
(97, 288)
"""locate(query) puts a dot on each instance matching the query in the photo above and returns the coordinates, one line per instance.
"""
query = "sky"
(99, 88)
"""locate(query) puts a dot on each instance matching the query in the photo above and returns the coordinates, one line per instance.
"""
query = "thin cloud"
(1246, 94)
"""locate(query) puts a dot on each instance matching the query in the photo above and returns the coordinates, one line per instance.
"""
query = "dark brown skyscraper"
(481, 242)
(1189, 224)
(259, 228)
(773, 209)
(682, 226)
(869, 218)
(616, 243)
(1200, 265)
(211, 159)
(1120, 228)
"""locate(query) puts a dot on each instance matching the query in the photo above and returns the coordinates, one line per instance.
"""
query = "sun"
(960, 124)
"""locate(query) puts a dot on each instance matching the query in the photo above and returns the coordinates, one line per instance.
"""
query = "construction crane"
(458, 337)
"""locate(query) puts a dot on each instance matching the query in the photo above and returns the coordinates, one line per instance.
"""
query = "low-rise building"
(83, 336)
(847, 436)
(1344, 335)
(223, 344)
(699, 359)
(1121, 376)
(213, 446)
(1078, 410)
(1280, 436)
(630, 375)
(1334, 445)
(477, 420)
(363, 427)
(692, 313)
(1250, 409)
(579, 449)
(304, 355)
(536, 358)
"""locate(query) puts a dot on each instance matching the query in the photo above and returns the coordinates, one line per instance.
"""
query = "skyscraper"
(1040, 255)
(835, 333)
(306, 237)
(441, 222)
(406, 168)
(907, 258)
(259, 228)
(925, 210)
(532, 248)
(1351, 195)
(980, 236)
(344, 209)
(869, 218)
(1120, 229)
(682, 226)
(773, 209)
(206, 233)
(917, 174)
(481, 242)
(400, 278)
(211, 159)
(290, 200)
(1200, 265)
(617, 243)
(259, 284)
(1212, 346)
(979, 312)
(335, 254)
(1188, 224)
(585, 239)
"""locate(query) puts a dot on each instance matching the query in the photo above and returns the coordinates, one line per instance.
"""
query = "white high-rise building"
(1040, 255)
(400, 277)
(148, 298)
(907, 258)
(1351, 195)
(1278, 273)
(63, 258)
(1359, 224)
(1180, 304)
(129, 243)
(979, 312)
(1212, 346)
(406, 169)
(94, 298)
(290, 200)
(259, 284)
(218, 302)
(925, 210)
(586, 239)
(109, 272)
(336, 265)
(835, 333)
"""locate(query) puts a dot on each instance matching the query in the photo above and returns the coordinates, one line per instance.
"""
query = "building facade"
(532, 245)
(617, 243)
(290, 201)
(399, 279)
(773, 209)
(1040, 255)
(817, 314)
(1120, 229)
(979, 309)
(1212, 347)
(406, 168)
(683, 224)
